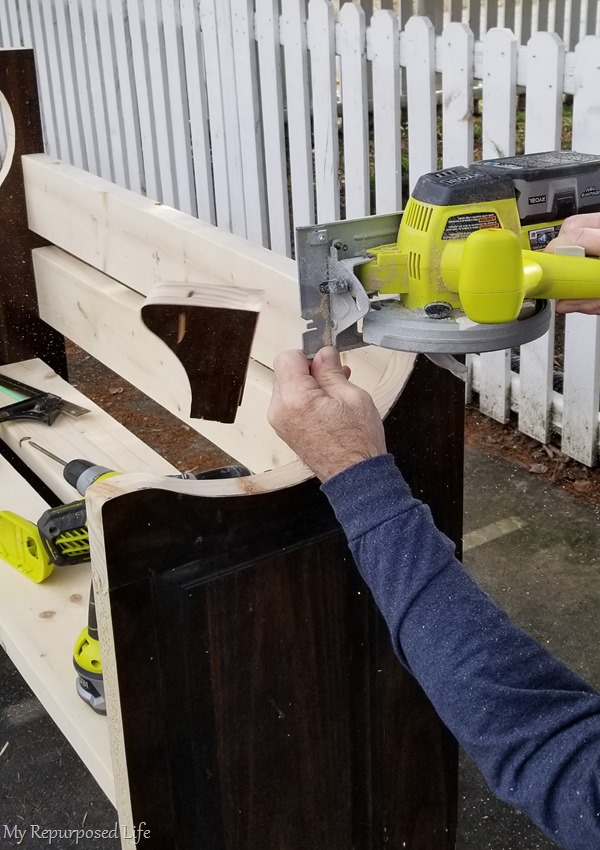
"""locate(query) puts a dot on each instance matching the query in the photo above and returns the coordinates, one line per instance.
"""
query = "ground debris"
(538, 468)
(545, 461)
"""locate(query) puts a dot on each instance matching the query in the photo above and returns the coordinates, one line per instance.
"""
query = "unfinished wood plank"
(103, 317)
(39, 624)
(140, 243)
(95, 436)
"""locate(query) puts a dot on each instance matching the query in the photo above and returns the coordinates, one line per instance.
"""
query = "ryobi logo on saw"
(537, 199)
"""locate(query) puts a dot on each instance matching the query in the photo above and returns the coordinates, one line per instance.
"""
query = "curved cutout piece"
(210, 328)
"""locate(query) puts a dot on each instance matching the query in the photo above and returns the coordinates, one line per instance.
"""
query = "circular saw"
(462, 269)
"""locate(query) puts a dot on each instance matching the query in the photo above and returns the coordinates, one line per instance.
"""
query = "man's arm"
(532, 725)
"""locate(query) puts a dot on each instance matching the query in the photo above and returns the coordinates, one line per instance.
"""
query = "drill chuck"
(81, 474)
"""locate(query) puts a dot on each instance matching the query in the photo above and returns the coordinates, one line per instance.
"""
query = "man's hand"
(583, 230)
(330, 423)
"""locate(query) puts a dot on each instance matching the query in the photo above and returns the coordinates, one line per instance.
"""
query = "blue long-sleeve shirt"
(528, 721)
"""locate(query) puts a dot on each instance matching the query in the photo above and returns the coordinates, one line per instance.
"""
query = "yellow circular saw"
(462, 270)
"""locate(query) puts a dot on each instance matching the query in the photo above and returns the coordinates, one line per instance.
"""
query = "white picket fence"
(237, 111)
(572, 20)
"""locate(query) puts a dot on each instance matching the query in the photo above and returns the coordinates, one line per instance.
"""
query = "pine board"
(38, 627)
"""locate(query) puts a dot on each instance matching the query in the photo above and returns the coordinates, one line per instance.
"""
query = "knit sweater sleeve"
(530, 723)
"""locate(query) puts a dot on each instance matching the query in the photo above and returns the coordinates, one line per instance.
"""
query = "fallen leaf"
(582, 484)
(538, 468)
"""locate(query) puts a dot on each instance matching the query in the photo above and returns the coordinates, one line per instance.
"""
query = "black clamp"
(36, 405)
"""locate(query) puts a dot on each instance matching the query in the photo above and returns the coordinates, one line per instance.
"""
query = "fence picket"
(583, 16)
(321, 44)
(385, 57)
(248, 105)
(110, 97)
(582, 334)
(5, 29)
(13, 21)
(74, 30)
(229, 95)
(64, 41)
(457, 95)
(216, 113)
(351, 47)
(24, 22)
(45, 91)
(269, 61)
(57, 81)
(419, 59)
(293, 30)
(177, 108)
(499, 120)
(128, 101)
(545, 73)
(499, 93)
(193, 58)
(97, 105)
(158, 94)
(473, 17)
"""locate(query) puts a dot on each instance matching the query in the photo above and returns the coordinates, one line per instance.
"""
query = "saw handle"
(493, 275)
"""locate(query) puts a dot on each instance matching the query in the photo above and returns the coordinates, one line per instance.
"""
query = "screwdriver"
(82, 473)
(78, 473)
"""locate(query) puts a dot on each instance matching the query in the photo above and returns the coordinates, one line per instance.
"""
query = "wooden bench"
(253, 698)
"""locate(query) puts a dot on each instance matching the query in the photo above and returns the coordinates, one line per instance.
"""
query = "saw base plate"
(392, 325)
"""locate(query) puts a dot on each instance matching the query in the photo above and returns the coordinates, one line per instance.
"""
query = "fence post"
(321, 43)
(352, 51)
(248, 115)
(457, 94)
(545, 71)
(269, 63)
(293, 29)
(421, 97)
(582, 336)
(499, 94)
(385, 47)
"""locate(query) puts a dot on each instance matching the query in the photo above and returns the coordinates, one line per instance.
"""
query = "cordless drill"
(64, 534)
